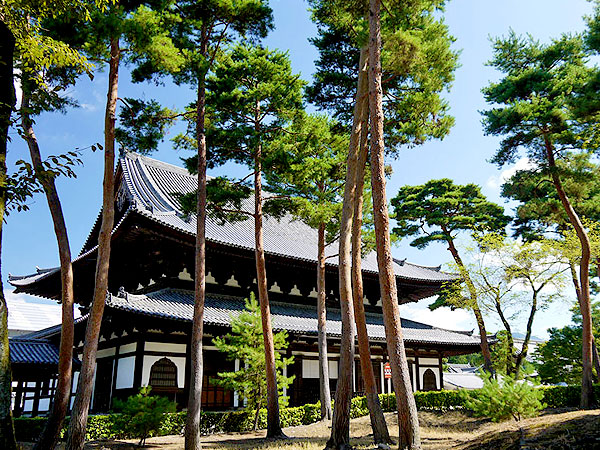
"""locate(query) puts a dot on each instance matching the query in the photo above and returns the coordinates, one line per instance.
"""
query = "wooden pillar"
(441, 372)
(114, 374)
(139, 363)
(417, 374)
(36, 399)
(18, 409)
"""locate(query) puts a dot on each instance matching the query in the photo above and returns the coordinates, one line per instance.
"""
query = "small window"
(163, 373)
(429, 382)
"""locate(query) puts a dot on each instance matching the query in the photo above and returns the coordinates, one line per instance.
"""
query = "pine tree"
(201, 33)
(446, 210)
(245, 343)
(541, 106)
(252, 95)
(307, 172)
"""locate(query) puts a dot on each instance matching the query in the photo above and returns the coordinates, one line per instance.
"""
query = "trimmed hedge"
(112, 426)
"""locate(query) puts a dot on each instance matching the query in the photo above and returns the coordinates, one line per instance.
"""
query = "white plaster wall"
(105, 352)
(429, 361)
(178, 361)
(75, 380)
(128, 348)
(44, 404)
(310, 369)
(27, 405)
(164, 347)
(125, 370)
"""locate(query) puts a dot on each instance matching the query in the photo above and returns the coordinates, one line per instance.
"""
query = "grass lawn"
(554, 429)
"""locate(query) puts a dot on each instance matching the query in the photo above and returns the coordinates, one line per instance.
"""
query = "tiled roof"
(34, 351)
(153, 187)
(25, 316)
(178, 304)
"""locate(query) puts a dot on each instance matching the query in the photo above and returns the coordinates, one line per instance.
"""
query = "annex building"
(146, 325)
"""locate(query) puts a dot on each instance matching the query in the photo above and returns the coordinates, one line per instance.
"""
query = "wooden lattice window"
(429, 381)
(163, 373)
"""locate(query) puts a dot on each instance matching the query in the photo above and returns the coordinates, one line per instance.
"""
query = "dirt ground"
(553, 430)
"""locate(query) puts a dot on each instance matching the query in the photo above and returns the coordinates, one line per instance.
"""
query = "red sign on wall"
(387, 371)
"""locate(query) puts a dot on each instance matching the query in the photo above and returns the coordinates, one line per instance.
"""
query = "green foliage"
(112, 426)
(417, 61)
(500, 400)
(539, 101)
(143, 414)
(245, 342)
(558, 360)
(143, 125)
(438, 210)
(307, 172)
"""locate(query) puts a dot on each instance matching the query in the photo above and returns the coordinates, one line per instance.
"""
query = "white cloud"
(495, 181)
(443, 317)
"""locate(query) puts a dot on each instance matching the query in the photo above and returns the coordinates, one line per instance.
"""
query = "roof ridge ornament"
(122, 293)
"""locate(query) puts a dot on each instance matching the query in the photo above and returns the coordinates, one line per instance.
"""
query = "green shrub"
(142, 414)
(109, 426)
(28, 429)
(500, 400)
(439, 400)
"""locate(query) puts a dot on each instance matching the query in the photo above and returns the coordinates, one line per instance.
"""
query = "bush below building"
(112, 426)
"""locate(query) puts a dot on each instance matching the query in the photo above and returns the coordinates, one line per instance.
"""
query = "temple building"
(147, 321)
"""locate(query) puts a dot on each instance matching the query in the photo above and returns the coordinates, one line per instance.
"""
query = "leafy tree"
(21, 40)
(557, 360)
(143, 413)
(42, 83)
(144, 32)
(538, 109)
(512, 279)
(202, 31)
(425, 71)
(501, 399)
(245, 343)
(307, 172)
(437, 212)
(252, 95)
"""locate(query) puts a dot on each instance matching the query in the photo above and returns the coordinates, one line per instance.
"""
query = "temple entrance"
(102, 390)
(429, 381)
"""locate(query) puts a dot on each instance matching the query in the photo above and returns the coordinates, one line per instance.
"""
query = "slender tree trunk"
(273, 423)
(587, 388)
(525, 347)
(7, 102)
(483, 342)
(380, 430)
(324, 391)
(510, 366)
(192, 425)
(49, 437)
(408, 421)
(340, 426)
(78, 423)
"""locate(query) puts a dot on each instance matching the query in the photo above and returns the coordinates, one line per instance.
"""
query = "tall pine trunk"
(7, 102)
(408, 422)
(340, 426)
(483, 341)
(192, 426)
(380, 430)
(324, 389)
(78, 423)
(273, 423)
(50, 435)
(525, 346)
(587, 388)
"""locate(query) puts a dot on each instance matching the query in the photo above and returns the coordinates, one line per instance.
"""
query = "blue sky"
(29, 239)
